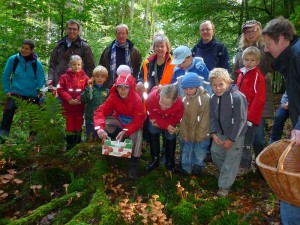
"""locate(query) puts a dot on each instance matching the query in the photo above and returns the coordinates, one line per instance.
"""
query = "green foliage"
(228, 218)
(183, 213)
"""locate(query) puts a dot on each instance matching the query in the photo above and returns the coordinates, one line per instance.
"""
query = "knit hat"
(250, 23)
(190, 80)
(123, 69)
(180, 54)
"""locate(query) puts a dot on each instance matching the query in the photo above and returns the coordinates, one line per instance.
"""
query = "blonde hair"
(220, 73)
(100, 70)
(251, 51)
(159, 38)
(243, 43)
(168, 91)
(75, 58)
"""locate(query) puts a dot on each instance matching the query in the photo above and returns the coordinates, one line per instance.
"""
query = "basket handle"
(284, 155)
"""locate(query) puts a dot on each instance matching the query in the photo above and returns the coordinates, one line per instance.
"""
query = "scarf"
(113, 57)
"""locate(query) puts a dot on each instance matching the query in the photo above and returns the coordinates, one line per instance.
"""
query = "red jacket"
(252, 84)
(163, 118)
(70, 86)
(129, 111)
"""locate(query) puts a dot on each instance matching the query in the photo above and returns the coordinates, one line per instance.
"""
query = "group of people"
(216, 110)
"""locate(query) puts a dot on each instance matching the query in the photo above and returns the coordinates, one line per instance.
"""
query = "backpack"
(16, 62)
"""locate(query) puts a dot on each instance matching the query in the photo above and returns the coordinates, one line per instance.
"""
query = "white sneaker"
(223, 192)
(242, 171)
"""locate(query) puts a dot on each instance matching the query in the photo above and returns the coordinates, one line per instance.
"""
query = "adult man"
(214, 53)
(72, 44)
(121, 52)
(22, 76)
(282, 43)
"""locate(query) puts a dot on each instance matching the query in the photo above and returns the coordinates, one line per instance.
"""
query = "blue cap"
(180, 54)
(190, 80)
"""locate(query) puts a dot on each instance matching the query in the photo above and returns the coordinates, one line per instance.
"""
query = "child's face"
(123, 90)
(189, 92)
(160, 49)
(165, 103)
(250, 61)
(219, 86)
(76, 66)
(99, 78)
(186, 63)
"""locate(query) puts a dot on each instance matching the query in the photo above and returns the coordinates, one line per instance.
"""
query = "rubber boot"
(77, 137)
(170, 154)
(133, 168)
(70, 138)
(155, 151)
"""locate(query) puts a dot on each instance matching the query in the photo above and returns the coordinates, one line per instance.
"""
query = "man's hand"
(216, 139)
(295, 135)
(227, 144)
(101, 134)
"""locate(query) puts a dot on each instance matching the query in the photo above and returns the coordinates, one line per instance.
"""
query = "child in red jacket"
(251, 83)
(123, 108)
(69, 88)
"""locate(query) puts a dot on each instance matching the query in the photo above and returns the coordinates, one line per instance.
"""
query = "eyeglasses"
(72, 29)
(205, 30)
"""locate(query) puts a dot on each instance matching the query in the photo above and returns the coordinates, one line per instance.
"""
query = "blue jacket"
(214, 54)
(197, 67)
(24, 82)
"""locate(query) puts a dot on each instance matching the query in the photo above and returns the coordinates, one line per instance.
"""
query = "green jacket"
(93, 98)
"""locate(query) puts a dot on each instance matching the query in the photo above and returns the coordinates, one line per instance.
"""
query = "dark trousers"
(10, 109)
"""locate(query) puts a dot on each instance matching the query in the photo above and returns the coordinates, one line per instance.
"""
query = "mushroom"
(17, 181)
(66, 187)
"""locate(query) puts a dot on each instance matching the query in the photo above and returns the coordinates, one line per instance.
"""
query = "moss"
(183, 213)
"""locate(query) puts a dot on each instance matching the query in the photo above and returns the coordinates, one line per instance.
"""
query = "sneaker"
(223, 192)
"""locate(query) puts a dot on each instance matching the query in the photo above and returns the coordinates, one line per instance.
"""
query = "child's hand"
(120, 135)
(216, 139)
(154, 123)
(227, 144)
(77, 102)
(90, 83)
(171, 129)
(72, 101)
(101, 134)
(185, 139)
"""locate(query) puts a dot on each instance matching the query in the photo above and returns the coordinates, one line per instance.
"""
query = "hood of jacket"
(124, 79)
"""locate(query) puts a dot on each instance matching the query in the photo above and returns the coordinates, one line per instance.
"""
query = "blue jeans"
(193, 155)
(259, 139)
(290, 215)
(280, 117)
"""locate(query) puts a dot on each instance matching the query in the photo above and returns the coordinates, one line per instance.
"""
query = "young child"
(228, 116)
(165, 110)
(251, 83)
(127, 110)
(93, 96)
(194, 125)
(70, 86)
(186, 63)
(123, 69)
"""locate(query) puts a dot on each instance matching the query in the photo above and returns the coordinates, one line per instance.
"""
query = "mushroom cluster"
(7, 179)
(152, 212)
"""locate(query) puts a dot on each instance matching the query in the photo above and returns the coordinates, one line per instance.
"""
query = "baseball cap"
(180, 54)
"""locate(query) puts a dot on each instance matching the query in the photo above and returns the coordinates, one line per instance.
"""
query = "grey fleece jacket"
(228, 114)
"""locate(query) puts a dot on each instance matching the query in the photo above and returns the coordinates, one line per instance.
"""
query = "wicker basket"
(279, 163)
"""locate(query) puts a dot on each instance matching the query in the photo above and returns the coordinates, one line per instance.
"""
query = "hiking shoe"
(223, 192)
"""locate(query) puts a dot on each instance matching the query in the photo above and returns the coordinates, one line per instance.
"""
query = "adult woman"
(156, 70)
(165, 109)
(251, 36)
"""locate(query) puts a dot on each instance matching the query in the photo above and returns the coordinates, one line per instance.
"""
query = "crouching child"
(127, 109)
